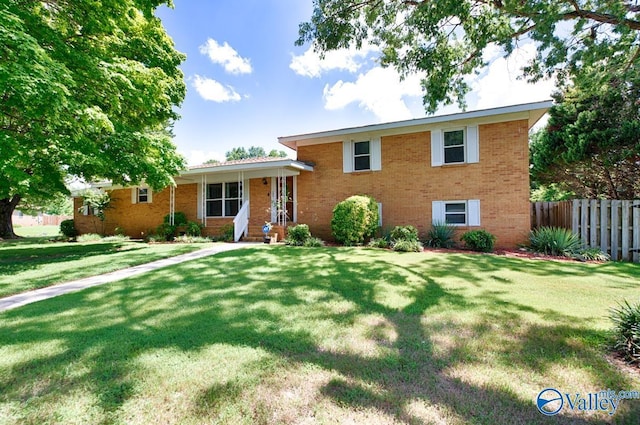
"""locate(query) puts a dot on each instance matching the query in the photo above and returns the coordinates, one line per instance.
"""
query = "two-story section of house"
(470, 170)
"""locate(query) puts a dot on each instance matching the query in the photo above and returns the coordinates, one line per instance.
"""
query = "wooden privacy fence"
(611, 225)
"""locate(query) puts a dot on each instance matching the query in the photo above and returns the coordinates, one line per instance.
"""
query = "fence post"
(575, 216)
(626, 230)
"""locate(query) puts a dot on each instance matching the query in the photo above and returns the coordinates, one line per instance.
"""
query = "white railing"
(241, 222)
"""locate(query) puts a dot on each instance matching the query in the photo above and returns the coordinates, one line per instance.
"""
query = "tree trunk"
(7, 206)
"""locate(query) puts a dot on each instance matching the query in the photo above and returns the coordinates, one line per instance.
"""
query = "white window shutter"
(347, 156)
(376, 154)
(199, 200)
(473, 146)
(379, 214)
(474, 212)
(149, 195)
(437, 148)
(85, 209)
(437, 212)
(134, 195)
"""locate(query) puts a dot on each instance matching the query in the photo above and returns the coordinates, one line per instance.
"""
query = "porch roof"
(250, 168)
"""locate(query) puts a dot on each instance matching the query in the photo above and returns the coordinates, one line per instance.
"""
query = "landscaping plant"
(68, 229)
(626, 332)
(298, 235)
(440, 235)
(405, 239)
(479, 240)
(354, 220)
(555, 241)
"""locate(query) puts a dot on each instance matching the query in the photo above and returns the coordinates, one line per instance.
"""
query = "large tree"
(87, 89)
(591, 145)
(253, 152)
(444, 40)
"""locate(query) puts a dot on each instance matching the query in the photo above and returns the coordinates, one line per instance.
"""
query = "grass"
(329, 335)
(37, 231)
(32, 263)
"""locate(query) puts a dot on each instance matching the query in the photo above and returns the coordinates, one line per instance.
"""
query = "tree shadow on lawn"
(288, 302)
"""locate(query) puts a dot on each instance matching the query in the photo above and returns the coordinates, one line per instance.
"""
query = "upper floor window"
(224, 199)
(143, 195)
(454, 146)
(361, 156)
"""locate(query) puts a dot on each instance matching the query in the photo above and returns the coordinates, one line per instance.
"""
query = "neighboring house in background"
(469, 169)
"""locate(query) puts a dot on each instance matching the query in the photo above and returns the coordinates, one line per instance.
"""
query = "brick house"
(469, 169)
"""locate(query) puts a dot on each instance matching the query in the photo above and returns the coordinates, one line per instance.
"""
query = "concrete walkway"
(24, 298)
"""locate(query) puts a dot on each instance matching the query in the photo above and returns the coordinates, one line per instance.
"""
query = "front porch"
(246, 195)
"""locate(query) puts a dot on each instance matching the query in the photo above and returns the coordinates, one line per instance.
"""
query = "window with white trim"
(456, 213)
(224, 199)
(361, 156)
(143, 195)
(450, 146)
(454, 146)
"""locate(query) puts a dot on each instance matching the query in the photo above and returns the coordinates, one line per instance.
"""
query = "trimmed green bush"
(298, 235)
(479, 240)
(194, 228)
(407, 246)
(68, 229)
(440, 235)
(314, 242)
(179, 218)
(226, 234)
(167, 231)
(626, 331)
(555, 241)
(354, 220)
(379, 243)
(404, 233)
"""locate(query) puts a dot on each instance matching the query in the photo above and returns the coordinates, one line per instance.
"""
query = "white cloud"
(309, 64)
(226, 56)
(500, 86)
(379, 90)
(197, 157)
(212, 90)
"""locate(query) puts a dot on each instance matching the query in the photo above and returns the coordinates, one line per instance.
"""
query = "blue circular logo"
(266, 228)
(549, 401)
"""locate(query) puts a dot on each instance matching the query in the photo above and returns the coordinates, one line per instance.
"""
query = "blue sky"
(247, 83)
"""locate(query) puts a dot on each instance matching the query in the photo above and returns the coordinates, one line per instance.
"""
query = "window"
(224, 199)
(143, 195)
(456, 213)
(454, 147)
(361, 156)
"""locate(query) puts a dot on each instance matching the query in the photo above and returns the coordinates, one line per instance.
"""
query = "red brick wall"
(407, 184)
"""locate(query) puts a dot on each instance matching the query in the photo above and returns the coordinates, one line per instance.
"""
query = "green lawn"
(33, 262)
(334, 335)
(37, 231)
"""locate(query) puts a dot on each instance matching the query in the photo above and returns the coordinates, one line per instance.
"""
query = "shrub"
(440, 235)
(404, 233)
(298, 235)
(167, 231)
(594, 254)
(379, 243)
(555, 241)
(479, 240)
(354, 220)
(68, 229)
(191, 239)
(226, 234)
(116, 238)
(179, 218)
(626, 331)
(313, 242)
(194, 228)
(89, 237)
(407, 246)
(119, 231)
